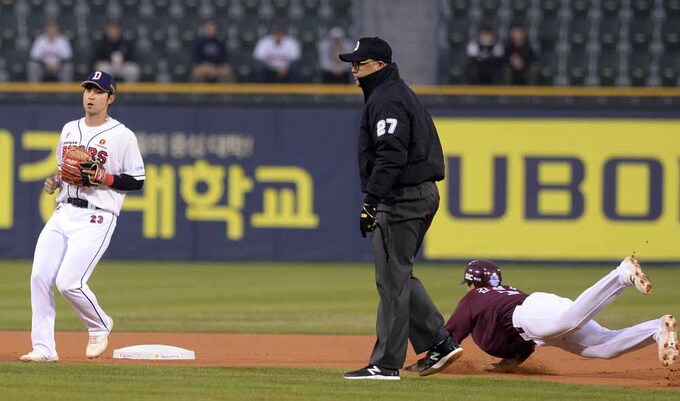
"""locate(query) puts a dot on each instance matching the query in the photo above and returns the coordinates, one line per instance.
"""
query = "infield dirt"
(637, 369)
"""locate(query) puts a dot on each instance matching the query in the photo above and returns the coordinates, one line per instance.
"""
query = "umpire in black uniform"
(400, 158)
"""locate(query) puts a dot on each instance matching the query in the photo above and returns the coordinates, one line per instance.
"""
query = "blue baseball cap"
(103, 80)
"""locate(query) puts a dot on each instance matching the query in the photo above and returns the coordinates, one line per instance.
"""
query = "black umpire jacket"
(398, 142)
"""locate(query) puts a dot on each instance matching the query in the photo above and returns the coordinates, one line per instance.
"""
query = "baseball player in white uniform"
(78, 233)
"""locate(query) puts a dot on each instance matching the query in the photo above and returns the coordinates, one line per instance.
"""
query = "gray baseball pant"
(406, 311)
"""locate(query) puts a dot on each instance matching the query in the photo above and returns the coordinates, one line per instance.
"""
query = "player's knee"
(66, 286)
(40, 281)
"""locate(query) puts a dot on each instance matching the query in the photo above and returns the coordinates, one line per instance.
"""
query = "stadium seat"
(578, 33)
(146, 9)
(161, 6)
(4, 72)
(66, 6)
(608, 33)
(548, 32)
(242, 65)
(16, 64)
(670, 34)
(266, 11)
(668, 70)
(82, 69)
(672, 9)
(310, 6)
(638, 68)
(454, 69)
(458, 34)
(173, 43)
(158, 35)
(179, 67)
(580, 9)
(130, 7)
(281, 6)
(250, 7)
(325, 12)
(520, 11)
(176, 10)
(550, 8)
(308, 35)
(221, 7)
(295, 11)
(610, 8)
(490, 9)
(640, 33)
(459, 8)
(641, 8)
(36, 6)
(308, 68)
(35, 22)
(547, 68)
(8, 25)
(577, 68)
(608, 68)
(248, 37)
(192, 8)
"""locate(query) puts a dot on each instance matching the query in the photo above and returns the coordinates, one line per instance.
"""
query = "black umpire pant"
(405, 311)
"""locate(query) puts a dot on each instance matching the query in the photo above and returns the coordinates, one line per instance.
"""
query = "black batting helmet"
(482, 273)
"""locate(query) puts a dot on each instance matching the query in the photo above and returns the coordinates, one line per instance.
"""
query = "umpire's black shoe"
(373, 372)
(441, 356)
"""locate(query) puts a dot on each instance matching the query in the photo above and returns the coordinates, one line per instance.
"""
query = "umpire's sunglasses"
(357, 64)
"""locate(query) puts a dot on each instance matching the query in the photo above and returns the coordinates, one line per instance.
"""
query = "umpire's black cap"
(103, 80)
(372, 48)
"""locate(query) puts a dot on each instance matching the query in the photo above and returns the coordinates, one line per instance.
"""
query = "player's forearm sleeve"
(126, 182)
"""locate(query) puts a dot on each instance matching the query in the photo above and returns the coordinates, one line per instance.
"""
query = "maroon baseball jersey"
(486, 313)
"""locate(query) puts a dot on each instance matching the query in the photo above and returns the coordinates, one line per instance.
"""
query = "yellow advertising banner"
(558, 189)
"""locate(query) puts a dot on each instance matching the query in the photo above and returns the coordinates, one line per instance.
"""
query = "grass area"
(293, 297)
(106, 382)
(285, 298)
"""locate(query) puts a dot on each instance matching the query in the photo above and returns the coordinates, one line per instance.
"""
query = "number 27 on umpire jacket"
(398, 142)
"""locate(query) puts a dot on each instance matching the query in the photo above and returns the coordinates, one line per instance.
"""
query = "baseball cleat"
(637, 277)
(373, 372)
(37, 357)
(441, 356)
(668, 340)
(97, 344)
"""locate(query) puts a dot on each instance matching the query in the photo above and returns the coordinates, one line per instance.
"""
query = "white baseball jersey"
(112, 144)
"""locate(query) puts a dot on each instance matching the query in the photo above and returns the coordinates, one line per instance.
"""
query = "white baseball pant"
(68, 249)
(548, 319)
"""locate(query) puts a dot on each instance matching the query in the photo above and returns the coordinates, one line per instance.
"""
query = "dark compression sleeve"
(126, 182)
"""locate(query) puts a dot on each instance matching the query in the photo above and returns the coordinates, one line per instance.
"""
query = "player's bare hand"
(504, 366)
(52, 183)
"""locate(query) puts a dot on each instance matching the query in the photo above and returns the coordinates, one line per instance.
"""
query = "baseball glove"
(71, 170)
(93, 173)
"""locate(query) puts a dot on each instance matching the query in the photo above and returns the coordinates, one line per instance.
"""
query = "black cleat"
(373, 372)
(441, 356)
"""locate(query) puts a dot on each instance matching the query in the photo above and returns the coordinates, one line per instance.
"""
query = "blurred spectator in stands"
(210, 57)
(51, 55)
(115, 55)
(334, 70)
(276, 57)
(519, 58)
(485, 58)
